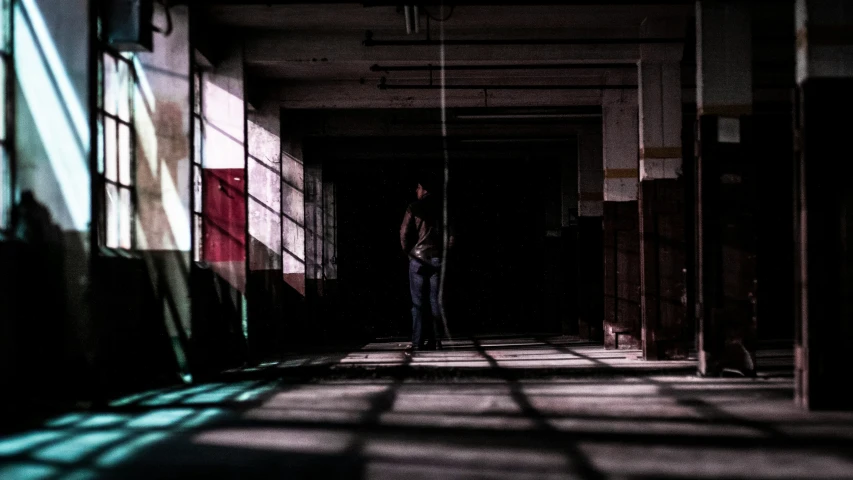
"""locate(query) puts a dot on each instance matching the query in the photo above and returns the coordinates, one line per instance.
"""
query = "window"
(197, 165)
(116, 150)
(6, 101)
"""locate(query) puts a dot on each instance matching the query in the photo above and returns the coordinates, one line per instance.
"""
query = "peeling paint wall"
(264, 174)
(53, 343)
(225, 168)
(293, 212)
(162, 124)
(265, 286)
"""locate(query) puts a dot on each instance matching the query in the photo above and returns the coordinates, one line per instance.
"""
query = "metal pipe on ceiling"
(385, 86)
(535, 66)
(369, 41)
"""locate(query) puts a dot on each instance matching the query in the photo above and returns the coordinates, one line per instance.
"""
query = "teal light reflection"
(121, 453)
(135, 397)
(29, 471)
(77, 447)
(66, 420)
(160, 418)
(103, 420)
(164, 399)
(203, 417)
(82, 474)
(20, 443)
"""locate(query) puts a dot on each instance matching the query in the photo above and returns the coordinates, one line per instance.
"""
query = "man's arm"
(406, 230)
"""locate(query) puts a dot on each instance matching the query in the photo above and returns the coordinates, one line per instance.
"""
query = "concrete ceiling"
(318, 55)
(314, 56)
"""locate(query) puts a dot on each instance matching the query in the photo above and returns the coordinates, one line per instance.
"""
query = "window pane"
(111, 156)
(124, 154)
(110, 87)
(199, 236)
(4, 24)
(100, 145)
(198, 142)
(197, 189)
(123, 92)
(111, 224)
(125, 219)
(197, 92)
(3, 99)
(5, 188)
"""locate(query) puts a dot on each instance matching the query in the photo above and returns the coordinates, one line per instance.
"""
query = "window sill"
(110, 252)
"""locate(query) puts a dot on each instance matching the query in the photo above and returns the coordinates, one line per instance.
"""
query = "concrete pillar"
(825, 200)
(726, 207)
(265, 284)
(219, 308)
(293, 234)
(314, 219)
(321, 274)
(225, 169)
(293, 213)
(590, 241)
(161, 118)
(661, 201)
(621, 223)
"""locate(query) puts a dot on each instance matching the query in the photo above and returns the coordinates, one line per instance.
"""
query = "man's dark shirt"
(421, 231)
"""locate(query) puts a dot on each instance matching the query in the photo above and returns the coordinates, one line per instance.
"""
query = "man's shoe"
(438, 345)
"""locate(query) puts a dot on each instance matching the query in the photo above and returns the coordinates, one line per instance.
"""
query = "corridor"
(634, 217)
(492, 407)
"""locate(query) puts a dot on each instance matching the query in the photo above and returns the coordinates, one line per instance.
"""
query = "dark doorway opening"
(510, 270)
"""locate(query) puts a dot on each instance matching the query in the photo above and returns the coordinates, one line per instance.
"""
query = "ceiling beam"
(355, 95)
(271, 48)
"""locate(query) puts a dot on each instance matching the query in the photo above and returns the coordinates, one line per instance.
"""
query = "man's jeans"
(423, 283)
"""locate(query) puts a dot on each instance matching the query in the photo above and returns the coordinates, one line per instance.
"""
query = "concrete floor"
(488, 408)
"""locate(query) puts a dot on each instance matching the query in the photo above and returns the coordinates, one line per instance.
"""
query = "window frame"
(7, 97)
(197, 190)
(103, 183)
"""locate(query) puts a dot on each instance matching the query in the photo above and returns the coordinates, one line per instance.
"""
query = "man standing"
(421, 238)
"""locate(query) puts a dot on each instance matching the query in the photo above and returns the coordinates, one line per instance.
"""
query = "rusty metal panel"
(590, 284)
(662, 260)
(621, 276)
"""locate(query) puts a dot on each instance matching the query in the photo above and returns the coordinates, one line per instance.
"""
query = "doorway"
(509, 271)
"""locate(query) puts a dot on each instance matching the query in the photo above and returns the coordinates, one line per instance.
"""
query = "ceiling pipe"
(369, 41)
(535, 66)
(385, 86)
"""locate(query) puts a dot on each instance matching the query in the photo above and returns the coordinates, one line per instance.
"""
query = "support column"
(293, 234)
(265, 284)
(661, 200)
(590, 243)
(314, 246)
(825, 203)
(218, 288)
(622, 327)
(561, 284)
(726, 207)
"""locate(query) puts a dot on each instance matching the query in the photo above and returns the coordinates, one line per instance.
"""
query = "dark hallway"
(230, 230)
(507, 223)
